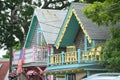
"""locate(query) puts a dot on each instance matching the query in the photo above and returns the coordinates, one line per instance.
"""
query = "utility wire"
(49, 24)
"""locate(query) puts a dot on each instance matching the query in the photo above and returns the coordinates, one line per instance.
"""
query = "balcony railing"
(32, 55)
(79, 56)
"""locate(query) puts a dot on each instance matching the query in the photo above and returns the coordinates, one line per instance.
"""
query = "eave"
(65, 25)
(30, 32)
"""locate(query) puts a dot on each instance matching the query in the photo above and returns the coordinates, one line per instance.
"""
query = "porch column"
(62, 57)
(93, 43)
(85, 44)
(46, 77)
(79, 55)
(66, 76)
(48, 59)
(88, 73)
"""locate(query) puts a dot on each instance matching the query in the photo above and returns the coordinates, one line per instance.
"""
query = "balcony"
(32, 55)
(74, 58)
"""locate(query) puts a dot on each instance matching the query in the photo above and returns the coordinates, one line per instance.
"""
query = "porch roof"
(92, 67)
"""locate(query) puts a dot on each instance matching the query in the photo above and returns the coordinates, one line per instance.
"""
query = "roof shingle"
(4, 69)
(50, 21)
(93, 30)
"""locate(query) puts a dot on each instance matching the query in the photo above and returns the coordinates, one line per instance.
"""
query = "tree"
(108, 13)
(92, 1)
(104, 13)
(112, 50)
(57, 4)
(15, 17)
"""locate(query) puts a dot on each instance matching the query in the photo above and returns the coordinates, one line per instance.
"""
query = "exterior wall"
(79, 76)
(79, 40)
(33, 41)
(38, 36)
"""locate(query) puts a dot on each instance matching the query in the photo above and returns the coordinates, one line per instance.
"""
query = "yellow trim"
(60, 76)
(82, 26)
(66, 25)
(64, 71)
(71, 47)
(93, 54)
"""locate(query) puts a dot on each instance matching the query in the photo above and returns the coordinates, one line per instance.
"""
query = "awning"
(63, 71)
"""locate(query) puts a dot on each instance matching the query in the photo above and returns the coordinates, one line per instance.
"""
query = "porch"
(74, 59)
(35, 56)
(75, 64)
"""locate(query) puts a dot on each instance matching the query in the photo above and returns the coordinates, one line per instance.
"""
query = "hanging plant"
(12, 75)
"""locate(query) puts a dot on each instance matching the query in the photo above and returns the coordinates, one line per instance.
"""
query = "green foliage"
(7, 55)
(104, 13)
(112, 50)
(18, 46)
(92, 1)
(15, 18)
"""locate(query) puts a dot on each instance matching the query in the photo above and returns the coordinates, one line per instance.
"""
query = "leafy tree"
(57, 4)
(104, 13)
(15, 17)
(108, 13)
(112, 50)
(92, 1)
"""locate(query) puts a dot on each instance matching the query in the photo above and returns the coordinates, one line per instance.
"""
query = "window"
(71, 77)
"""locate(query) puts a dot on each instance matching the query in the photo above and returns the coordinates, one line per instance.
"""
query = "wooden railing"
(32, 55)
(73, 57)
(93, 55)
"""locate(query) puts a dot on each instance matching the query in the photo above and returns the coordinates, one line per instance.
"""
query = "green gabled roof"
(49, 21)
(30, 32)
(74, 20)
(71, 32)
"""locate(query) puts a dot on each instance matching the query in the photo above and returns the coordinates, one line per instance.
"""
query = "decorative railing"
(32, 55)
(73, 57)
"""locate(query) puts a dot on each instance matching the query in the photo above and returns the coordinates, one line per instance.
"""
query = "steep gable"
(91, 30)
(49, 21)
